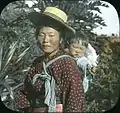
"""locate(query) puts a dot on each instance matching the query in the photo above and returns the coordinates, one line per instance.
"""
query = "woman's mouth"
(46, 45)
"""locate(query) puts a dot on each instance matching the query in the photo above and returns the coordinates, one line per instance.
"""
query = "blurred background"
(95, 20)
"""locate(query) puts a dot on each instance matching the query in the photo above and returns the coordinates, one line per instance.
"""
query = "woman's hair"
(62, 33)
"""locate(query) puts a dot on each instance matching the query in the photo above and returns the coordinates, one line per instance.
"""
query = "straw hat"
(51, 15)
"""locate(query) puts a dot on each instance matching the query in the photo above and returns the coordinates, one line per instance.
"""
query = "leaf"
(22, 54)
(11, 52)
(1, 52)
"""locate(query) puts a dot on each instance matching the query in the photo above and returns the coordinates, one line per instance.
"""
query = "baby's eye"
(82, 48)
(77, 52)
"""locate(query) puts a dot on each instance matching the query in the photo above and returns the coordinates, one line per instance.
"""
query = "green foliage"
(104, 91)
(80, 13)
(18, 47)
(15, 26)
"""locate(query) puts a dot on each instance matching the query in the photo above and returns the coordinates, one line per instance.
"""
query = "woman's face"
(76, 50)
(49, 39)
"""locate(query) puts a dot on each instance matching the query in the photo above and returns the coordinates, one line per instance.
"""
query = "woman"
(53, 83)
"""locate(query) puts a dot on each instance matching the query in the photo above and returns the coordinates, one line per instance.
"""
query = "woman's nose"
(46, 38)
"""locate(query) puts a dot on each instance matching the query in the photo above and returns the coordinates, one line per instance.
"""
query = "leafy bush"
(18, 48)
(104, 90)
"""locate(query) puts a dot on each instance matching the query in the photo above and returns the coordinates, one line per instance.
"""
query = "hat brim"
(40, 19)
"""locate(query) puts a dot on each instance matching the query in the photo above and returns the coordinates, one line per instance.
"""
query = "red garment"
(68, 80)
(59, 108)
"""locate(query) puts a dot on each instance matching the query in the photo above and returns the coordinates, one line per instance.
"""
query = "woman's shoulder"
(38, 60)
(67, 60)
(63, 56)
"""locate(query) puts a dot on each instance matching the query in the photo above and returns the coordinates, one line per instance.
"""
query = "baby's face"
(76, 50)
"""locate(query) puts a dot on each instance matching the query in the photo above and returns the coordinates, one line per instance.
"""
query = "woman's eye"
(51, 35)
(41, 35)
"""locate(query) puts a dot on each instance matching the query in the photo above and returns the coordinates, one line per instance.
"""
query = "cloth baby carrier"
(83, 64)
(50, 96)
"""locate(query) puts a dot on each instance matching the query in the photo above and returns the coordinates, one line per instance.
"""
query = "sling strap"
(50, 97)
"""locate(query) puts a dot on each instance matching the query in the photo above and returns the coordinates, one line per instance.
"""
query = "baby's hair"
(79, 40)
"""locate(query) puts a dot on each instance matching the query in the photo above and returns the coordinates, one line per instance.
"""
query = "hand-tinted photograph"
(59, 56)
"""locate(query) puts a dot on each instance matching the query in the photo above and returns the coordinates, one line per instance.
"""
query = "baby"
(77, 49)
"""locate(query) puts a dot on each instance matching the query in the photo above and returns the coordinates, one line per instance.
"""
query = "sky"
(110, 17)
